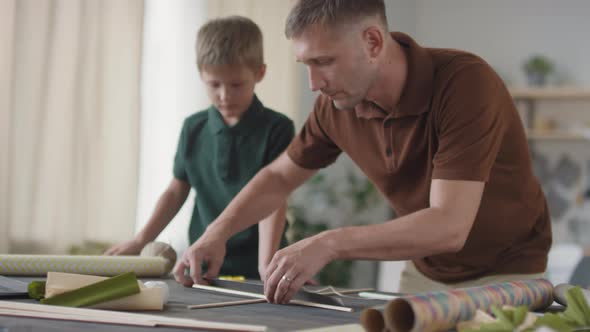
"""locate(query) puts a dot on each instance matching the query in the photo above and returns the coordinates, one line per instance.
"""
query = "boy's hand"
(208, 249)
(132, 247)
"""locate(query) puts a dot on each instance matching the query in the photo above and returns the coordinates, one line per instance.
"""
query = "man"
(434, 129)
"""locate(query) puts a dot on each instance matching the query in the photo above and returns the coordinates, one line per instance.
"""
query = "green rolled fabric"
(110, 289)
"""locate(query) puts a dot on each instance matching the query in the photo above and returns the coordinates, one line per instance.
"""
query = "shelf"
(551, 93)
(555, 135)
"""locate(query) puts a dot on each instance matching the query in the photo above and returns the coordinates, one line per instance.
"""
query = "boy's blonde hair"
(229, 41)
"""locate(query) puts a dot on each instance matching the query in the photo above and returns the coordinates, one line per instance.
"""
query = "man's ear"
(374, 39)
(261, 72)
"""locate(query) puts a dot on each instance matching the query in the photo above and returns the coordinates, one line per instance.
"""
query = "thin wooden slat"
(254, 301)
(344, 291)
(104, 320)
(260, 296)
(225, 304)
(8, 308)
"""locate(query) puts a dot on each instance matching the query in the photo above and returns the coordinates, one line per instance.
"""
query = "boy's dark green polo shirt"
(218, 161)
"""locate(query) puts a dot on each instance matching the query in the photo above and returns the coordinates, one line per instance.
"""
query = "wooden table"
(275, 317)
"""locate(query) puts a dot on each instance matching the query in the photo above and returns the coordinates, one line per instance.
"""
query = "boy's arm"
(168, 205)
(270, 231)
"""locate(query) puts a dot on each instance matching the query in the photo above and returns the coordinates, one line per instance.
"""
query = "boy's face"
(231, 88)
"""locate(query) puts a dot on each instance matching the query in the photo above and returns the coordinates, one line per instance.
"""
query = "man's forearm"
(422, 233)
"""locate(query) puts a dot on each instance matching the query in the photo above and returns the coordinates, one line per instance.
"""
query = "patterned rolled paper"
(108, 266)
(442, 310)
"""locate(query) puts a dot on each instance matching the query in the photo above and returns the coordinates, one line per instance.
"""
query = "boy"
(223, 147)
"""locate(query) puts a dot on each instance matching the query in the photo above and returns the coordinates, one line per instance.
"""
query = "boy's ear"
(261, 73)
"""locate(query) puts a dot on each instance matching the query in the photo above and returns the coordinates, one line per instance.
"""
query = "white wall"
(505, 32)
(401, 15)
(171, 90)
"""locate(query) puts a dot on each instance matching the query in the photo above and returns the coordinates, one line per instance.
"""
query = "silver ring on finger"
(287, 279)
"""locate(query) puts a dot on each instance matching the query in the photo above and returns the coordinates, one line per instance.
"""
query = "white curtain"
(69, 130)
(170, 91)
(7, 9)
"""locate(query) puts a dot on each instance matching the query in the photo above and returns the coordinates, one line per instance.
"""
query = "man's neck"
(387, 88)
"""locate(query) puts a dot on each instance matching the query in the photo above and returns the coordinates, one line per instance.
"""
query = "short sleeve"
(179, 169)
(470, 125)
(279, 138)
(312, 148)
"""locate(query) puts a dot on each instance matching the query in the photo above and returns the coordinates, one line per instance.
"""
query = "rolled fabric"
(39, 265)
(442, 310)
(106, 290)
(156, 260)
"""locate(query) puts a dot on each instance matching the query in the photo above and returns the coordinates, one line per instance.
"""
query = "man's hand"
(209, 249)
(131, 247)
(295, 265)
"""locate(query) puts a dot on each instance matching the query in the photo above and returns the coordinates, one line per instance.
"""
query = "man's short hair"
(229, 40)
(330, 13)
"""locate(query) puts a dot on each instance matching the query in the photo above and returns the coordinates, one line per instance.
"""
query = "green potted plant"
(537, 68)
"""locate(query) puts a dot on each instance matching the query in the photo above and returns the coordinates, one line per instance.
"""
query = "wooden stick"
(380, 296)
(225, 304)
(9, 308)
(261, 296)
(344, 291)
(229, 291)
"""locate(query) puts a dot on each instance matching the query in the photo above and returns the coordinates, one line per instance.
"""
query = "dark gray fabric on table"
(275, 317)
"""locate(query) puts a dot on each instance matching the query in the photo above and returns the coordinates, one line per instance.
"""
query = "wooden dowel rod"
(346, 291)
(225, 304)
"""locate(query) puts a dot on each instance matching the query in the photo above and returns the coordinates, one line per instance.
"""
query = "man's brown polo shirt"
(455, 121)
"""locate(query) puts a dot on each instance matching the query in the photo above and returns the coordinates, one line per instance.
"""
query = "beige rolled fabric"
(146, 265)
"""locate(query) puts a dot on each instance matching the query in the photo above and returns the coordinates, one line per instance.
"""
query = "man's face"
(231, 88)
(337, 63)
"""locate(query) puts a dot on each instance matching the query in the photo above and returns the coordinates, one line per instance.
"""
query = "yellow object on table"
(233, 278)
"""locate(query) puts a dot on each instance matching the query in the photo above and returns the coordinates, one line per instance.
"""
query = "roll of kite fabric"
(108, 266)
(438, 311)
